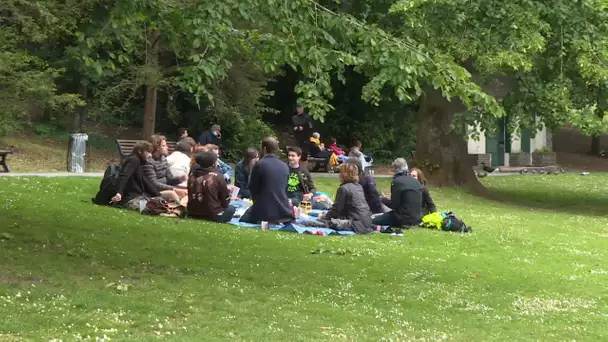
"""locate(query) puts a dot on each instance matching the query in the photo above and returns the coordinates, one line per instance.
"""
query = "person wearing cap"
(212, 136)
(208, 193)
(302, 124)
(406, 199)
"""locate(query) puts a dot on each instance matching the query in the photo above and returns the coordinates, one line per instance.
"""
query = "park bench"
(315, 164)
(125, 147)
(3, 156)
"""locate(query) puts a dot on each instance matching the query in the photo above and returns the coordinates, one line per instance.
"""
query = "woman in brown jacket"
(208, 193)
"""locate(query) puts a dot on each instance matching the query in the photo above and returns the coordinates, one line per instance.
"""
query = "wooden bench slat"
(125, 146)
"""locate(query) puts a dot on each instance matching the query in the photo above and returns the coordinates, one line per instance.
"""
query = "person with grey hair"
(405, 200)
(212, 136)
(179, 161)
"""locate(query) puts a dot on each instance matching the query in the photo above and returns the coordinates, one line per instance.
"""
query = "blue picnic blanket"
(291, 227)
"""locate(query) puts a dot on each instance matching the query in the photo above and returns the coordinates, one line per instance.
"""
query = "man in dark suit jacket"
(212, 136)
(268, 184)
(406, 199)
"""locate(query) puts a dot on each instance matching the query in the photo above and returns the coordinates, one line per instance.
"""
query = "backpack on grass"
(446, 221)
(107, 188)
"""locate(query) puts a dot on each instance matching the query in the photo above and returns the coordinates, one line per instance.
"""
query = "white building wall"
(477, 146)
(539, 142)
(516, 143)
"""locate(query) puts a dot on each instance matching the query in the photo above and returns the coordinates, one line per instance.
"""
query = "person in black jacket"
(300, 186)
(212, 136)
(350, 211)
(372, 195)
(406, 199)
(243, 171)
(131, 185)
(428, 206)
(267, 186)
(302, 124)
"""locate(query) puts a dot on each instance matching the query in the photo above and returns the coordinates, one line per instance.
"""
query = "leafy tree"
(547, 59)
(27, 80)
(204, 36)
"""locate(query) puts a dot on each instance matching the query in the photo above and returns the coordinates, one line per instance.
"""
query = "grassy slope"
(70, 269)
(33, 153)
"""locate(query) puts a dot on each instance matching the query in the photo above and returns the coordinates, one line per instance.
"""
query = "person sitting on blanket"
(317, 150)
(406, 199)
(300, 186)
(131, 184)
(428, 206)
(156, 171)
(269, 178)
(243, 171)
(367, 182)
(208, 193)
(226, 169)
(350, 210)
(179, 160)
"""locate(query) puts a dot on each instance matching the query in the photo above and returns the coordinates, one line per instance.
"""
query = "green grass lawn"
(70, 270)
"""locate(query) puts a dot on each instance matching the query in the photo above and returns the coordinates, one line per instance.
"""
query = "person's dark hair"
(141, 147)
(206, 159)
(295, 149)
(181, 131)
(357, 143)
(356, 162)
(156, 140)
(186, 145)
(334, 140)
(250, 154)
(270, 145)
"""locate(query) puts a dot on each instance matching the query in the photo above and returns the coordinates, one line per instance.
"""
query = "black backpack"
(107, 188)
(454, 224)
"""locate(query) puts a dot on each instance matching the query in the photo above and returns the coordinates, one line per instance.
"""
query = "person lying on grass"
(156, 171)
(243, 171)
(350, 210)
(367, 182)
(428, 206)
(179, 160)
(268, 186)
(405, 201)
(131, 184)
(300, 186)
(208, 193)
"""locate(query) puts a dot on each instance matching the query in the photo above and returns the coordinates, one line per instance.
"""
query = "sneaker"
(398, 232)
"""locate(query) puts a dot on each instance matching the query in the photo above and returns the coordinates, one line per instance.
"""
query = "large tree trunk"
(151, 84)
(595, 145)
(441, 152)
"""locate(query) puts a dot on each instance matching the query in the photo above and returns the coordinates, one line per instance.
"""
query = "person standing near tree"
(302, 124)
(212, 136)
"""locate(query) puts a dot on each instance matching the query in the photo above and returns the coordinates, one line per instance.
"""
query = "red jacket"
(335, 149)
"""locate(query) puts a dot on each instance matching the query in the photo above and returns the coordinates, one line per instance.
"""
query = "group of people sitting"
(194, 176)
(312, 144)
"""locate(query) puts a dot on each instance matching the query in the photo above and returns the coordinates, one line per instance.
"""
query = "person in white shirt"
(179, 161)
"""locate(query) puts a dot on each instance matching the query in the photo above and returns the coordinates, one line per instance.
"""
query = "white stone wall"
(539, 142)
(516, 143)
(477, 146)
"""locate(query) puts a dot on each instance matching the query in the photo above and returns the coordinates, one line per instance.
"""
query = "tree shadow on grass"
(574, 194)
